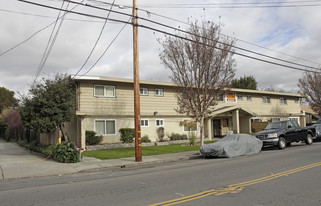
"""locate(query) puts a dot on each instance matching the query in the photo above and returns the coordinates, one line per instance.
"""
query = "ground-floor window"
(275, 119)
(159, 122)
(144, 122)
(105, 126)
(189, 125)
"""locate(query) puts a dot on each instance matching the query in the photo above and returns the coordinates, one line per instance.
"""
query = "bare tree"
(202, 66)
(310, 86)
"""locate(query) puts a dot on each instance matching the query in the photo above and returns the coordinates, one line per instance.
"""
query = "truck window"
(289, 124)
(295, 124)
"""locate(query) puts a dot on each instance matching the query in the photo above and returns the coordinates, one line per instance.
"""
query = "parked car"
(283, 133)
(317, 131)
(232, 146)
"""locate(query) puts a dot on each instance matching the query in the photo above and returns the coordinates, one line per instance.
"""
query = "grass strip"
(146, 151)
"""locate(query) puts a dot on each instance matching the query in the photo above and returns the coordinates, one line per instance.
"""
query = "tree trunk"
(201, 131)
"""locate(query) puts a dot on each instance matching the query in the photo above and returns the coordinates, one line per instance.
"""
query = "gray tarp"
(232, 146)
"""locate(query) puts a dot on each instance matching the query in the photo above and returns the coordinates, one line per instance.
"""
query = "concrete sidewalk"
(16, 162)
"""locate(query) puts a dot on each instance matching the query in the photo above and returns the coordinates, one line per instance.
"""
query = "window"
(143, 91)
(239, 97)
(144, 122)
(159, 92)
(248, 97)
(104, 91)
(275, 119)
(105, 127)
(283, 101)
(297, 100)
(159, 122)
(189, 125)
(266, 100)
(220, 97)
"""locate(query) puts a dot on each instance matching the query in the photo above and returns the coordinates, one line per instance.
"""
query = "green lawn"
(146, 151)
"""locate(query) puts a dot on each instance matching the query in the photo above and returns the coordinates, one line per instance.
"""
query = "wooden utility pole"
(138, 144)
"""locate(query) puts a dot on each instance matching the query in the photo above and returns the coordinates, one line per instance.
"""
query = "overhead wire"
(50, 43)
(237, 53)
(149, 13)
(106, 48)
(99, 36)
(183, 31)
(160, 31)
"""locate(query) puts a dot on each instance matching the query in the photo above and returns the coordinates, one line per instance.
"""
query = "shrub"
(92, 138)
(7, 134)
(3, 128)
(48, 151)
(65, 153)
(127, 135)
(145, 138)
(160, 133)
(192, 139)
(176, 136)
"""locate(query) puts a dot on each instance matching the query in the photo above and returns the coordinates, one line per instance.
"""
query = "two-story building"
(106, 105)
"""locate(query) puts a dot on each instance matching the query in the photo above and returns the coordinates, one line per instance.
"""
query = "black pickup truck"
(283, 133)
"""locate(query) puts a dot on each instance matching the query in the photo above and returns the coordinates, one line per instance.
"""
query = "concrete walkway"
(16, 162)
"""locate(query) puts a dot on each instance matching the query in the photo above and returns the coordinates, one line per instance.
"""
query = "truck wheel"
(281, 143)
(308, 139)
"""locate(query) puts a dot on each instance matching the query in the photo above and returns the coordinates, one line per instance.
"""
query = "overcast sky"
(289, 30)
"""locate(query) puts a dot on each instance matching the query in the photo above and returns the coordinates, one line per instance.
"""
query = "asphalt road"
(273, 177)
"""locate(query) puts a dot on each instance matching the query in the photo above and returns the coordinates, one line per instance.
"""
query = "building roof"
(169, 84)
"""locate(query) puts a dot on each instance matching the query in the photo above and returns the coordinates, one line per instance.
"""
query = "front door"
(217, 127)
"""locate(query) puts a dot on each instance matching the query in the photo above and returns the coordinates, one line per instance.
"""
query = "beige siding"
(121, 109)
(123, 103)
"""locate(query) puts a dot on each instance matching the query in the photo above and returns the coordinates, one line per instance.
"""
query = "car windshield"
(276, 125)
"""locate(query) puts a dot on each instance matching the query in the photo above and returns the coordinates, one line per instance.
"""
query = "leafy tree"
(49, 104)
(310, 85)
(7, 99)
(246, 82)
(202, 65)
(14, 124)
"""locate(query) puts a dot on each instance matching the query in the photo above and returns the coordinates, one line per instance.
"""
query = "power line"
(176, 20)
(49, 48)
(100, 34)
(73, 12)
(148, 12)
(49, 17)
(106, 49)
(246, 50)
(240, 54)
(157, 30)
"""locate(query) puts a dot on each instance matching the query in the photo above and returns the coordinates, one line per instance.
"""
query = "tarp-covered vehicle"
(233, 146)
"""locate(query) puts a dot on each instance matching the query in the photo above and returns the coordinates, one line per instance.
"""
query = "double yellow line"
(235, 188)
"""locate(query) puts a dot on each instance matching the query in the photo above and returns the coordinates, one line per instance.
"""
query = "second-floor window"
(283, 101)
(220, 97)
(104, 91)
(159, 92)
(266, 100)
(143, 91)
(239, 97)
(249, 98)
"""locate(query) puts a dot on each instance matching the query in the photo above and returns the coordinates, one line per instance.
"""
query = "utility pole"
(138, 144)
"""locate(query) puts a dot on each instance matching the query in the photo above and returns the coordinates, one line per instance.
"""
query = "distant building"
(106, 105)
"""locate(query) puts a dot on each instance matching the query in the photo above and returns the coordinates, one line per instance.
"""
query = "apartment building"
(106, 105)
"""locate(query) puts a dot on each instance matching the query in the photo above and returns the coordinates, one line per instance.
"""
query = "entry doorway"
(217, 127)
